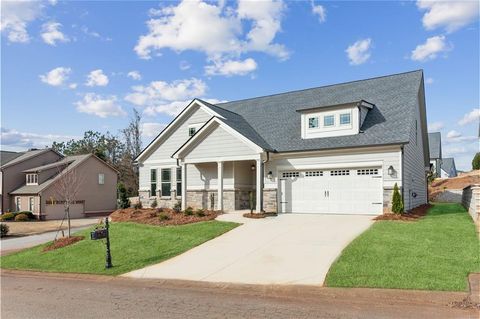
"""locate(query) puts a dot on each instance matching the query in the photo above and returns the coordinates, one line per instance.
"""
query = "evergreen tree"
(397, 203)
(476, 161)
(124, 202)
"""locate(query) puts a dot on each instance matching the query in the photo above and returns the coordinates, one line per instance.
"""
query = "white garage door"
(335, 191)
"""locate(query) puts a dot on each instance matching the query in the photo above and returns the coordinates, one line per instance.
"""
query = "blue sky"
(68, 67)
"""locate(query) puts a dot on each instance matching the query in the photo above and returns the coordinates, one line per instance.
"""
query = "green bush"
(476, 161)
(8, 216)
(123, 201)
(177, 207)
(138, 205)
(154, 204)
(21, 218)
(200, 212)
(397, 202)
(29, 214)
(163, 216)
(188, 211)
(4, 229)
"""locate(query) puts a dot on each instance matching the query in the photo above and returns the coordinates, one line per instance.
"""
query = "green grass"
(133, 246)
(435, 253)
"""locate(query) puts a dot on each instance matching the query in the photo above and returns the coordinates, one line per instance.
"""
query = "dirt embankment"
(441, 184)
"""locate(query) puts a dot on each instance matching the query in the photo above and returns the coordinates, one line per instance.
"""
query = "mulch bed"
(62, 242)
(412, 215)
(259, 215)
(161, 216)
(464, 304)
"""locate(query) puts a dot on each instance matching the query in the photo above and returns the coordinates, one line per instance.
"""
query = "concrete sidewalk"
(287, 249)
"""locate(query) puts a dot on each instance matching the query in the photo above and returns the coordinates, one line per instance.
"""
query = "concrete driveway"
(288, 249)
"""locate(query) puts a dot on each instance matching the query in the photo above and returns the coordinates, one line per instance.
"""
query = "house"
(12, 165)
(435, 145)
(333, 149)
(44, 188)
(448, 168)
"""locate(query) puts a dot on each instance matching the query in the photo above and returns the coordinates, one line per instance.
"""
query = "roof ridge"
(323, 86)
(208, 104)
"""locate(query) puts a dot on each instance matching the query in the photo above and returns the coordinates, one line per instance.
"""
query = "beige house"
(42, 193)
(12, 165)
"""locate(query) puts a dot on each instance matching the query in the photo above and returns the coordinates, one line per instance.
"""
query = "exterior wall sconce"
(270, 175)
(252, 167)
(391, 170)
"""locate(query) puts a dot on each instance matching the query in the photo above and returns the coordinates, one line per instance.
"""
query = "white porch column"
(220, 185)
(184, 186)
(259, 186)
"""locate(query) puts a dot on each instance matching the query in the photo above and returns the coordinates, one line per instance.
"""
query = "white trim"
(165, 161)
(171, 126)
(345, 151)
(220, 185)
(222, 159)
(210, 126)
(328, 166)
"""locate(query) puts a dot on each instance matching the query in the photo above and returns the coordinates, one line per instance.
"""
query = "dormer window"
(329, 120)
(313, 122)
(345, 119)
(191, 131)
(32, 179)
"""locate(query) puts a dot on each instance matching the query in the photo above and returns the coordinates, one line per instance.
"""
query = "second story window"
(32, 179)
(101, 179)
(313, 122)
(345, 118)
(328, 120)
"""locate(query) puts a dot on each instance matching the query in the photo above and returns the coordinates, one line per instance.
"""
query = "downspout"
(263, 177)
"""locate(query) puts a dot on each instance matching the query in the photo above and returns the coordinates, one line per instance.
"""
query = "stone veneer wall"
(147, 200)
(387, 199)
(270, 200)
(471, 201)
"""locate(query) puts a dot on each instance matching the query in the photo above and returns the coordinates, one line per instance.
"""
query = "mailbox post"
(102, 233)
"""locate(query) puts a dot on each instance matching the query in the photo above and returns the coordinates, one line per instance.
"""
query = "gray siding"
(414, 167)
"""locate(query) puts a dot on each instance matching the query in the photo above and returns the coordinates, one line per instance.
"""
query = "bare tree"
(67, 187)
(132, 147)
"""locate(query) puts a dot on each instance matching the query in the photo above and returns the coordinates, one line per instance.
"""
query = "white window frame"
(315, 118)
(166, 182)
(195, 126)
(32, 179)
(329, 116)
(31, 204)
(178, 181)
(101, 179)
(18, 203)
(349, 118)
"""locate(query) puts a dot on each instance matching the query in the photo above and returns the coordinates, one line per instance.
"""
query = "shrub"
(177, 207)
(159, 210)
(397, 203)
(154, 204)
(123, 201)
(138, 205)
(200, 212)
(188, 211)
(163, 216)
(4, 229)
(29, 214)
(476, 161)
(21, 218)
(8, 216)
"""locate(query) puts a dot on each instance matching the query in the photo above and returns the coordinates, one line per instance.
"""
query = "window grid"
(313, 173)
(290, 174)
(329, 120)
(166, 182)
(153, 182)
(179, 181)
(367, 171)
(191, 131)
(340, 172)
(313, 122)
(344, 118)
(32, 179)
(101, 179)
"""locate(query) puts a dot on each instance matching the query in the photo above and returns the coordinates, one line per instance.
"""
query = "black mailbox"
(98, 234)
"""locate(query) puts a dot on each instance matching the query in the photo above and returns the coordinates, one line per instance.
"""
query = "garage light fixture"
(270, 175)
(252, 167)
(391, 170)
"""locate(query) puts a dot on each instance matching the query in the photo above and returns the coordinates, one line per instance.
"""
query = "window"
(153, 182)
(101, 179)
(344, 118)
(31, 203)
(340, 172)
(179, 181)
(367, 171)
(191, 131)
(17, 204)
(32, 179)
(329, 120)
(313, 173)
(313, 122)
(166, 182)
(290, 174)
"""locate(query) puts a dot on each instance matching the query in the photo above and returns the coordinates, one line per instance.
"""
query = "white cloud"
(160, 92)
(15, 17)
(97, 78)
(451, 15)
(73, 86)
(462, 150)
(454, 136)
(320, 11)
(100, 106)
(429, 80)
(231, 67)
(430, 49)
(471, 117)
(184, 65)
(135, 75)
(359, 52)
(435, 126)
(183, 27)
(152, 129)
(51, 33)
(19, 141)
(56, 77)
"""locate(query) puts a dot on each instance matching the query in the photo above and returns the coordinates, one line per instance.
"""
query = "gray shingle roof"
(448, 165)
(435, 145)
(23, 156)
(7, 156)
(74, 161)
(276, 120)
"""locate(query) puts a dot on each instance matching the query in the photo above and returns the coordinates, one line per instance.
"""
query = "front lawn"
(436, 252)
(133, 246)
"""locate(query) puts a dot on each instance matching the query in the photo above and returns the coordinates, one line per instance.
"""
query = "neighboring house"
(448, 168)
(435, 144)
(12, 165)
(42, 192)
(334, 149)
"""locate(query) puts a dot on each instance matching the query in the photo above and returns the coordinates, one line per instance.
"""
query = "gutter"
(403, 175)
